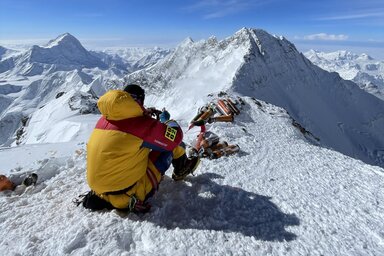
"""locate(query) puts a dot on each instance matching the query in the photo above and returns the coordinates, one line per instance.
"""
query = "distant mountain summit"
(65, 40)
(63, 51)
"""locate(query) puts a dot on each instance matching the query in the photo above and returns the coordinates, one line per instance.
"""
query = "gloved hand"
(152, 112)
(164, 116)
(138, 206)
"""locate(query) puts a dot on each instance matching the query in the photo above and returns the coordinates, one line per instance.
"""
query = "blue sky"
(356, 25)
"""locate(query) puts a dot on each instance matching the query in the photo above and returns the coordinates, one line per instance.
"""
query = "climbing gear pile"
(208, 144)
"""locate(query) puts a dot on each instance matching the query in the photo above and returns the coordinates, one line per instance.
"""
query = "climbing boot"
(184, 166)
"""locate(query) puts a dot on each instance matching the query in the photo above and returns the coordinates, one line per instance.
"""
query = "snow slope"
(22, 97)
(280, 196)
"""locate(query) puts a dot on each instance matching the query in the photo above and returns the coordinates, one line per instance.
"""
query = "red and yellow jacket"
(119, 146)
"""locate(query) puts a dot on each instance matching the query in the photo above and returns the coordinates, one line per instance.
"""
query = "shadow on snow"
(201, 203)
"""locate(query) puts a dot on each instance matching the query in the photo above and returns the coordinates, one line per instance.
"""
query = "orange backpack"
(5, 183)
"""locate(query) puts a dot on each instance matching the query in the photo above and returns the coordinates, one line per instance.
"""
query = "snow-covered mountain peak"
(242, 32)
(343, 55)
(64, 40)
(364, 56)
(256, 34)
(186, 42)
(246, 32)
(212, 40)
(263, 44)
(66, 52)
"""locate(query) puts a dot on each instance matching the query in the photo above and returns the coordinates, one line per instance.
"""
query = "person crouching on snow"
(129, 151)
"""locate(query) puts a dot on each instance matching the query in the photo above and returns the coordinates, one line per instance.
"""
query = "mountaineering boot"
(31, 179)
(183, 166)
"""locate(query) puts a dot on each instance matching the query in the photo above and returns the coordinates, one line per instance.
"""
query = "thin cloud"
(216, 8)
(26, 41)
(358, 15)
(326, 37)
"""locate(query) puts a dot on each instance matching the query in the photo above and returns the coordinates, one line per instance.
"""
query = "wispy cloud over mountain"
(363, 14)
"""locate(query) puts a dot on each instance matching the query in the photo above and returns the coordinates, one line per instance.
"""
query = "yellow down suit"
(128, 152)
